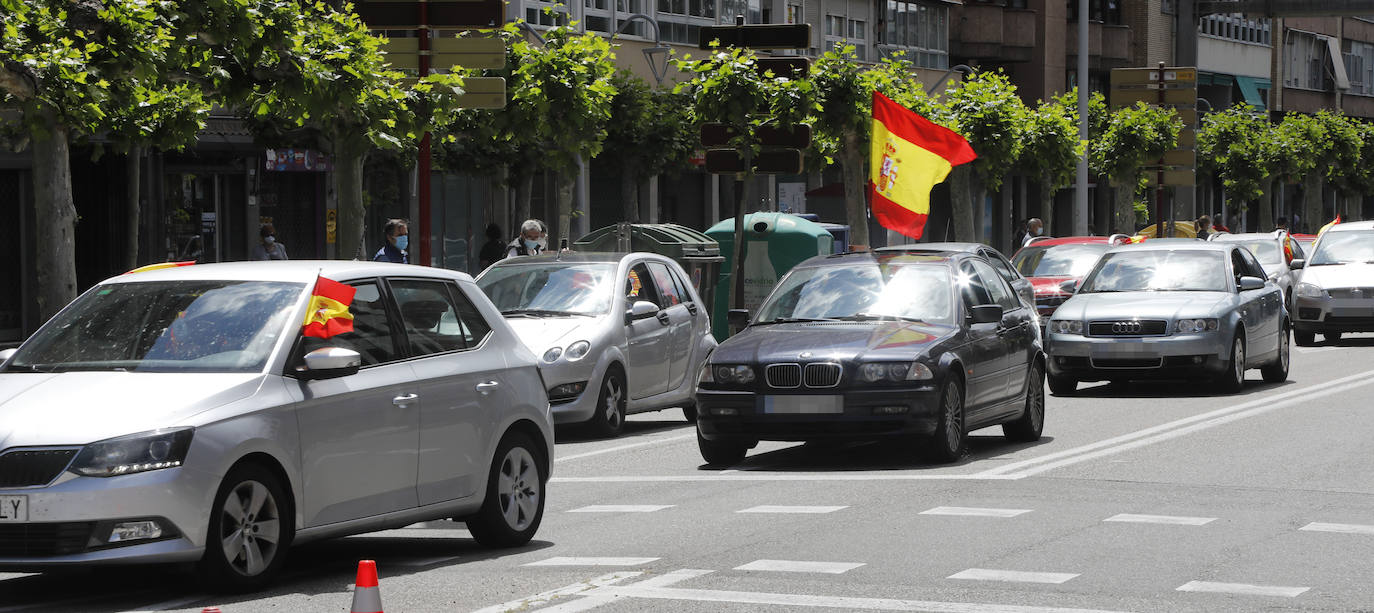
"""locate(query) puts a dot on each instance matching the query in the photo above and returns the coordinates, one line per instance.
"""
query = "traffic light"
(781, 152)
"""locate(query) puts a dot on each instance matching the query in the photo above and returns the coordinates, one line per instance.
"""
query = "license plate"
(803, 405)
(14, 508)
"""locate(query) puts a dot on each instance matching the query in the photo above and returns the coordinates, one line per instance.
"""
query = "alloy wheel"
(250, 528)
(954, 418)
(518, 488)
(1238, 361)
(614, 394)
(1035, 402)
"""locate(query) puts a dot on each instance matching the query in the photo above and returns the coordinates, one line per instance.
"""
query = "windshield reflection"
(1344, 248)
(1141, 271)
(554, 288)
(1059, 260)
(869, 291)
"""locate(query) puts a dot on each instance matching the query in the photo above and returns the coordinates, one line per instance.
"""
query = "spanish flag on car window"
(910, 155)
(328, 313)
(1328, 226)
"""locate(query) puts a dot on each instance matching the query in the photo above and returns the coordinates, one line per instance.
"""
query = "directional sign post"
(1165, 87)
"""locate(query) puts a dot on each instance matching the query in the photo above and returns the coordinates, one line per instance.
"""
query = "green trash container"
(698, 253)
(774, 243)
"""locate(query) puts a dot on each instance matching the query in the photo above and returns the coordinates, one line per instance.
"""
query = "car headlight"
(135, 453)
(1066, 326)
(736, 374)
(873, 372)
(577, 350)
(1193, 326)
(1308, 290)
(707, 374)
(552, 354)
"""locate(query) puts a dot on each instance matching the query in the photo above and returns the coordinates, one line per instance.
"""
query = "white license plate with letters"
(803, 405)
(14, 508)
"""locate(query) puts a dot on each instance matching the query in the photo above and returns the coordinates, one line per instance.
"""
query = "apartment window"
(919, 29)
(1304, 61)
(1359, 64)
(637, 27)
(680, 21)
(596, 15)
(548, 14)
(1237, 28)
(834, 25)
(840, 31)
(751, 9)
(1104, 11)
(794, 14)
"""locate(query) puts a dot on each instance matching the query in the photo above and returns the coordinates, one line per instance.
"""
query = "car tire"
(514, 504)
(721, 453)
(1277, 371)
(689, 411)
(1062, 386)
(950, 440)
(609, 419)
(1304, 338)
(1331, 337)
(1233, 380)
(251, 527)
(1027, 428)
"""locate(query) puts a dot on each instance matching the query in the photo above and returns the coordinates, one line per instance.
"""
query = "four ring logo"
(1127, 327)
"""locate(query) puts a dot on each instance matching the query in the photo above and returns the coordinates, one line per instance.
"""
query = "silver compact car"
(1335, 290)
(182, 415)
(1170, 309)
(617, 333)
(1276, 260)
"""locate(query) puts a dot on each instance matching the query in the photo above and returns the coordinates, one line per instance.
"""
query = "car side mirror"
(987, 313)
(1297, 264)
(641, 309)
(1069, 286)
(6, 354)
(738, 318)
(1248, 283)
(330, 363)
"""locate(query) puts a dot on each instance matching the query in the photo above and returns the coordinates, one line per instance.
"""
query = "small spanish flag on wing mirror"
(910, 155)
(328, 313)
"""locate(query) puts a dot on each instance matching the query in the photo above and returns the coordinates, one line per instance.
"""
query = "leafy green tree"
(1308, 147)
(843, 123)
(1356, 179)
(1051, 151)
(1346, 142)
(652, 134)
(1234, 145)
(1131, 137)
(986, 111)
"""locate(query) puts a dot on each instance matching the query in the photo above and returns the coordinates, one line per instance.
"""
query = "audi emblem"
(1127, 327)
(1356, 292)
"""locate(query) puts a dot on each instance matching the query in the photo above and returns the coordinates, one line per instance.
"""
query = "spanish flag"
(910, 155)
(1328, 226)
(328, 313)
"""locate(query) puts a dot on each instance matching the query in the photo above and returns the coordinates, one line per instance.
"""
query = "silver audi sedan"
(1335, 290)
(183, 415)
(617, 333)
(1170, 309)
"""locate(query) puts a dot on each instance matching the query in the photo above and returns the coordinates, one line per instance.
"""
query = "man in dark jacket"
(397, 241)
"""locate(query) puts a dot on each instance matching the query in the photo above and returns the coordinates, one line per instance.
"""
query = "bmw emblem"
(805, 354)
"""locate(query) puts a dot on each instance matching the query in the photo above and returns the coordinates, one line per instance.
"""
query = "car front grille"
(1128, 327)
(783, 376)
(1127, 362)
(46, 539)
(1351, 321)
(1045, 304)
(824, 374)
(1352, 292)
(33, 467)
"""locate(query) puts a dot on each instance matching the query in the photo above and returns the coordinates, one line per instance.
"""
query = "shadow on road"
(637, 425)
(873, 455)
(1171, 389)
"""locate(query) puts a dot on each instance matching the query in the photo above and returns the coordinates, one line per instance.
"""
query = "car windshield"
(902, 289)
(1266, 251)
(553, 288)
(171, 326)
(1158, 270)
(1059, 260)
(1344, 248)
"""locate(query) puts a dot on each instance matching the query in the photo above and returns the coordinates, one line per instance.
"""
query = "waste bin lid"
(665, 238)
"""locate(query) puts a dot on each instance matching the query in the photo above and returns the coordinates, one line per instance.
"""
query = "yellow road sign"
(483, 93)
(1127, 97)
(1125, 76)
(1177, 178)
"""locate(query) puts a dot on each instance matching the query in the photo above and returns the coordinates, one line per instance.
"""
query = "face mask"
(402, 242)
(269, 240)
(1038, 231)
(529, 244)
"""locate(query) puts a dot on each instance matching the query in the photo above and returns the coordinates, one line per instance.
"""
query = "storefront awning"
(1249, 88)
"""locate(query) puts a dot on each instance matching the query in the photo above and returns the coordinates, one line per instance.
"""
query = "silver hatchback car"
(184, 415)
(1335, 290)
(617, 333)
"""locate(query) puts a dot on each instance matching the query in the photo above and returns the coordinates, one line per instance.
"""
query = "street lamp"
(529, 29)
(657, 55)
(963, 69)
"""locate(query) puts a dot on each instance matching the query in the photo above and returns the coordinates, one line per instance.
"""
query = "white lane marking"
(1016, 576)
(1177, 428)
(777, 508)
(427, 561)
(796, 566)
(657, 441)
(529, 602)
(828, 602)
(591, 602)
(1339, 528)
(622, 508)
(48, 605)
(810, 477)
(1175, 520)
(974, 512)
(588, 561)
(170, 604)
(1242, 588)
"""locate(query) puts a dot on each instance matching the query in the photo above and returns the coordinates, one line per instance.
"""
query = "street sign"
(1173, 178)
(483, 93)
(716, 135)
(405, 14)
(790, 67)
(1150, 76)
(767, 162)
(1127, 97)
(467, 52)
(758, 36)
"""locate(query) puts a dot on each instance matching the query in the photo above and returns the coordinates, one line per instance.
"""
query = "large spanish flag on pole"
(328, 313)
(911, 154)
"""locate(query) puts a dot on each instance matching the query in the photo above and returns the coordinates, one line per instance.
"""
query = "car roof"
(293, 271)
(944, 246)
(1351, 226)
(920, 256)
(1246, 236)
(578, 257)
(1071, 240)
(1174, 244)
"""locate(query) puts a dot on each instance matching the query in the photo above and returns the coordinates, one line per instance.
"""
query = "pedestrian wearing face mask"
(267, 247)
(530, 241)
(1034, 228)
(397, 242)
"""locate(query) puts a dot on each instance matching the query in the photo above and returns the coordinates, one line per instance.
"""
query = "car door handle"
(487, 387)
(404, 399)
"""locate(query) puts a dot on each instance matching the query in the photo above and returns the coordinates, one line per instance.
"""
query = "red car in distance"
(1049, 262)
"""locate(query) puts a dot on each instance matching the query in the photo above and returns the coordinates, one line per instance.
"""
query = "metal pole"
(423, 163)
(1159, 175)
(1080, 209)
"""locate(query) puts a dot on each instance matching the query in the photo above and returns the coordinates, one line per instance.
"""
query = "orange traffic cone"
(210, 610)
(367, 597)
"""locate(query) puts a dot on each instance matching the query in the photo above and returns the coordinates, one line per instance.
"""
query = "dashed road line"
(773, 508)
(529, 602)
(1243, 589)
(1015, 576)
(591, 602)
(975, 512)
(804, 477)
(650, 443)
(1174, 520)
(797, 566)
(591, 561)
(621, 508)
(1338, 528)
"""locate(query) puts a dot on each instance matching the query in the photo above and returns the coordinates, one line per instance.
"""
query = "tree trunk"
(567, 182)
(1266, 206)
(1123, 209)
(961, 201)
(54, 222)
(132, 164)
(348, 194)
(524, 190)
(1311, 202)
(737, 257)
(855, 185)
(629, 194)
(1046, 206)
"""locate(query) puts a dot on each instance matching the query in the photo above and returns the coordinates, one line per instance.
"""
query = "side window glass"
(1256, 269)
(430, 318)
(997, 289)
(971, 287)
(1238, 266)
(668, 295)
(371, 336)
(1001, 264)
(639, 285)
(683, 290)
(474, 328)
